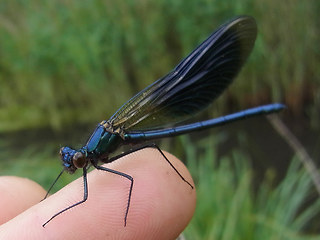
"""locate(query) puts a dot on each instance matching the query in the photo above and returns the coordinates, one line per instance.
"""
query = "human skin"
(161, 207)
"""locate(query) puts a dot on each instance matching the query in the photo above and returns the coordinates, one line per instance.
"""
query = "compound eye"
(60, 152)
(79, 160)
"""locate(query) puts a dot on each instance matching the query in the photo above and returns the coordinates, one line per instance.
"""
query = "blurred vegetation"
(63, 62)
(231, 202)
(230, 208)
(73, 63)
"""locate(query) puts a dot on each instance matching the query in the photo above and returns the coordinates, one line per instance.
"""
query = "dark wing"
(194, 83)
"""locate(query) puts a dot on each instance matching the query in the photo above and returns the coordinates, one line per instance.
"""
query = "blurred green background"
(67, 65)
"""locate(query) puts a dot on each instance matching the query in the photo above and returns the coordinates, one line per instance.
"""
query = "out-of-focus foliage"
(65, 62)
(78, 61)
(230, 206)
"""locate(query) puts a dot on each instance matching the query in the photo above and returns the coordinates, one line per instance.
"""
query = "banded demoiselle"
(160, 109)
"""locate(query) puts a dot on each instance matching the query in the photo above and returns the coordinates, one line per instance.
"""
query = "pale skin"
(161, 207)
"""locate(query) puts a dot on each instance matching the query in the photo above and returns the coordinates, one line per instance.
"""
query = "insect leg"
(55, 181)
(151, 145)
(85, 197)
(123, 175)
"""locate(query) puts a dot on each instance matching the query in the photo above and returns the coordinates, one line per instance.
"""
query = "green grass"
(64, 63)
(78, 61)
(231, 203)
(229, 208)
(40, 164)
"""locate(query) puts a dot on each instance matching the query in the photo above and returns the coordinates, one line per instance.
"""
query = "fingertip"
(161, 204)
(17, 195)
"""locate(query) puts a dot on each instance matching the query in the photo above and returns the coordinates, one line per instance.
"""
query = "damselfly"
(159, 110)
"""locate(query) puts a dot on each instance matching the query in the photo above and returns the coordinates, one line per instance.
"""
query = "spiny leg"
(85, 197)
(128, 176)
(123, 175)
(55, 181)
(151, 145)
(85, 182)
